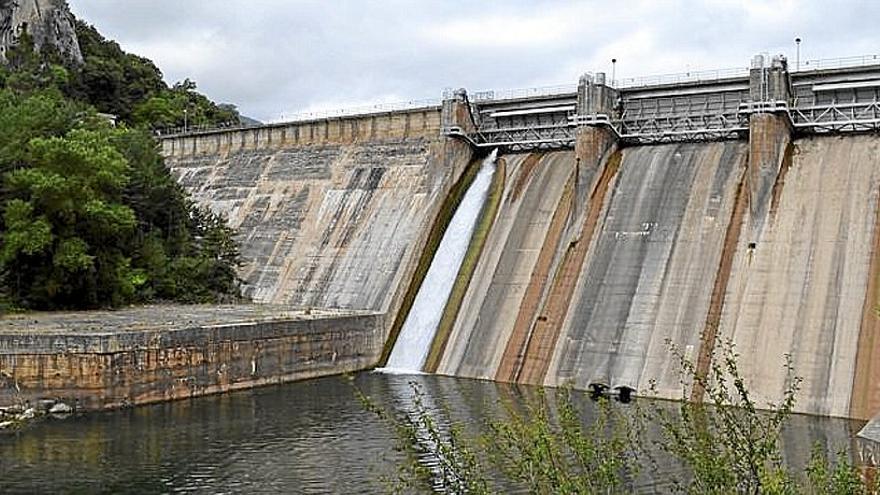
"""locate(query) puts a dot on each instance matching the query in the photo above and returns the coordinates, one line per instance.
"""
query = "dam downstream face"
(325, 225)
(535, 186)
(668, 220)
(801, 289)
(588, 269)
(648, 276)
(665, 208)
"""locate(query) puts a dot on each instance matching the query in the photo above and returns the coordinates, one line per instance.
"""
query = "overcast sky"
(276, 57)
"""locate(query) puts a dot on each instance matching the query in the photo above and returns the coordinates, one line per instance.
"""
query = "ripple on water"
(307, 437)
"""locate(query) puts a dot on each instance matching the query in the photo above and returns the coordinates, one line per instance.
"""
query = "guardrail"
(681, 77)
(360, 110)
(513, 94)
(837, 63)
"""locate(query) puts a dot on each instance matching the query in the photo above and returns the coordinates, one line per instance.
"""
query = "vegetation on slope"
(89, 215)
(725, 445)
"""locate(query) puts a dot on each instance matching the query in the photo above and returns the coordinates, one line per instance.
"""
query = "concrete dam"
(622, 218)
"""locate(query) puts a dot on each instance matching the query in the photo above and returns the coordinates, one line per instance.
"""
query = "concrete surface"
(649, 273)
(801, 290)
(488, 314)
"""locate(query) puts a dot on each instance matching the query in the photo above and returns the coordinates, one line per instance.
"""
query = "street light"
(184, 120)
(797, 65)
(613, 71)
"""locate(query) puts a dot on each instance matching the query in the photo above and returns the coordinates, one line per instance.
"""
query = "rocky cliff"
(49, 22)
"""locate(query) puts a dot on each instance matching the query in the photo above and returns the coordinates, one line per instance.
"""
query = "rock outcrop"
(49, 22)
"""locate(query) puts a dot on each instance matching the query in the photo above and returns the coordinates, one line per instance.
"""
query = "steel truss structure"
(537, 137)
(837, 117)
(667, 116)
(642, 128)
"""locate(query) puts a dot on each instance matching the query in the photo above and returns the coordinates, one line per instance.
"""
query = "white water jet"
(414, 341)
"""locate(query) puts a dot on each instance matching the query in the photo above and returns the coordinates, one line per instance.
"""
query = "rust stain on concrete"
(542, 341)
(524, 175)
(716, 303)
(511, 361)
(865, 402)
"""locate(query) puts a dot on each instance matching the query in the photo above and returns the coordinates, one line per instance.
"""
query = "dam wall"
(648, 275)
(799, 285)
(329, 214)
(742, 209)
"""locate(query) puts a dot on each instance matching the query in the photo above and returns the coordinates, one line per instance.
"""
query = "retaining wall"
(120, 365)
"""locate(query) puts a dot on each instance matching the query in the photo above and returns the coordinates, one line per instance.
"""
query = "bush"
(723, 445)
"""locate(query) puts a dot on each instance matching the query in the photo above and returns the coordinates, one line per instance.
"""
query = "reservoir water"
(307, 437)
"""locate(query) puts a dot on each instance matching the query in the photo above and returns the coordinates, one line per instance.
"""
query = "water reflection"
(307, 437)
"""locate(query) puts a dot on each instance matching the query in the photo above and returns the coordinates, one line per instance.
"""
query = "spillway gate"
(844, 97)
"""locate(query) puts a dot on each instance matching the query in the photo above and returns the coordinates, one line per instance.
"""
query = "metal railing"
(359, 110)
(513, 94)
(835, 63)
(681, 77)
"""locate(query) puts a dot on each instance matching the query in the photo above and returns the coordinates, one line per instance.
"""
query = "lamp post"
(613, 72)
(184, 120)
(797, 65)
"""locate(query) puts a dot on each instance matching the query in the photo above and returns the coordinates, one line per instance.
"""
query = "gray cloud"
(274, 57)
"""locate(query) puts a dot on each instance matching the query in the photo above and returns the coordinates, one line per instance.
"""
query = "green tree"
(91, 217)
(66, 228)
(89, 214)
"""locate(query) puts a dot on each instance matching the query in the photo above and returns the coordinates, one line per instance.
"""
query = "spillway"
(651, 247)
(649, 274)
(535, 186)
(418, 330)
(668, 248)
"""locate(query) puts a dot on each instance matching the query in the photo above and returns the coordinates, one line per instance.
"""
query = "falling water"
(414, 341)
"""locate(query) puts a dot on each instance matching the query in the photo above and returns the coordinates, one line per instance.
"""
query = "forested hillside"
(89, 215)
